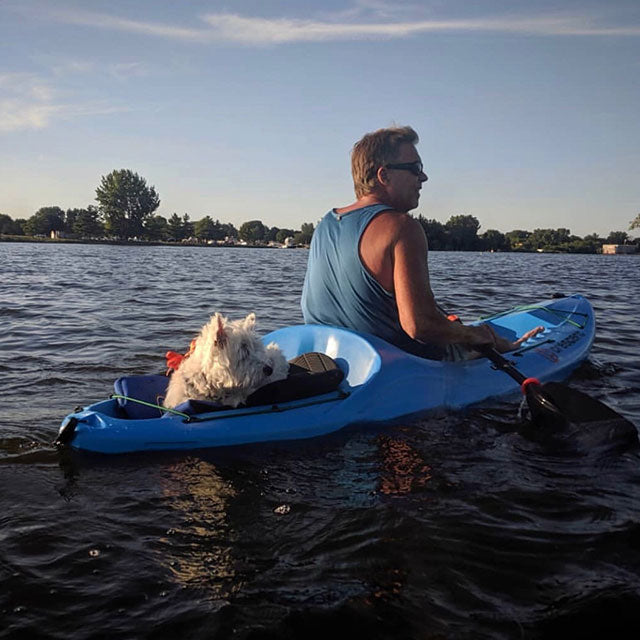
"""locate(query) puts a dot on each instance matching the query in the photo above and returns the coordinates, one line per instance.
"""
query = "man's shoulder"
(396, 222)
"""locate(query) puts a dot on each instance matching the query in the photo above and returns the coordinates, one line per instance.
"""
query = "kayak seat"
(310, 374)
(149, 388)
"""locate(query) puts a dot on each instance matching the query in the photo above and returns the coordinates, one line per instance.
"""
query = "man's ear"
(382, 175)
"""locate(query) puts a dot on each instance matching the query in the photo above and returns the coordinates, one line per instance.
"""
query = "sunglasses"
(414, 167)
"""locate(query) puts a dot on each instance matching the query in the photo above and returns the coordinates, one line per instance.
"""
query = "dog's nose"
(267, 370)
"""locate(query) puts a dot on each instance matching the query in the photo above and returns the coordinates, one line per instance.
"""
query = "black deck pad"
(310, 374)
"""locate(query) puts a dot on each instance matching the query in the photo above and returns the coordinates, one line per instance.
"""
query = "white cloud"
(28, 84)
(19, 114)
(25, 101)
(124, 70)
(389, 21)
(28, 101)
(71, 67)
(235, 28)
(106, 21)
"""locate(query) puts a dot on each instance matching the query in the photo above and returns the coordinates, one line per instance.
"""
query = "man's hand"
(481, 335)
(503, 345)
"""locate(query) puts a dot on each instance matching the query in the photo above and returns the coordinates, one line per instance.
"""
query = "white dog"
(227, 363)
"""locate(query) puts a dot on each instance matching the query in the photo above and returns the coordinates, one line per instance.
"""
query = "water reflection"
(197, 548)
(403, 470)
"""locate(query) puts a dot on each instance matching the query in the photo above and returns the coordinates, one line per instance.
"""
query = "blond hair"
(374, 150)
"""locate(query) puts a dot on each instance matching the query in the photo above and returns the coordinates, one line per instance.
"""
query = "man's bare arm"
(419, 315)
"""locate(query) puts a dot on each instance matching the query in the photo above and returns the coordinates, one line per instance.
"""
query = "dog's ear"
(250, 322)
(221, 336)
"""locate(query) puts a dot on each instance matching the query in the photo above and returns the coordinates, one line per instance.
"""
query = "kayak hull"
(381, 384)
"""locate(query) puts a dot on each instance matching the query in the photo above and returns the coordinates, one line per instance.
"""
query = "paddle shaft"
(540, 404)
(542, 407)
(502, 363)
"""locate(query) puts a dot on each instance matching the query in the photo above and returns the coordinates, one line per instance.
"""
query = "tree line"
(461, 233)
(87, 224)
(125, 211)
(126, 206)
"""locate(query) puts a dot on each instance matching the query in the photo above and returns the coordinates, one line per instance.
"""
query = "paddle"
(557, 405)
(542, 407)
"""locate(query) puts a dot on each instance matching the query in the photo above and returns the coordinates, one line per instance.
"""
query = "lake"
(453, 526)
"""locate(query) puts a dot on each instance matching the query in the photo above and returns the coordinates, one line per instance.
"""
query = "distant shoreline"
(160, 243)
(137, 243)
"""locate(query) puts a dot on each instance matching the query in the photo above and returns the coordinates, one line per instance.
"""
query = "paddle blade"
(577, 423)
(561, 405)
(578, 407)
(544, 409)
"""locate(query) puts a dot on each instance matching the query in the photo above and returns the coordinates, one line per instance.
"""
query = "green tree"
(222, 231)
(85, 223)
(617, 237)
(205, 229)
(187, 227)
(45, 220)
(252, 231)
(635, 223)
(10, 227)
(227, 230)
(305, 234)
(125, 202)
(156, 228)
(549, 239)
(493, 240)
(518, 239)
(283, 234)
(463, 232)
(174, 227)
(591, 243)
(70, 219)
(436, 233)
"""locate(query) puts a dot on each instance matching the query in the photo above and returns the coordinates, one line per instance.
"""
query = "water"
(455, 526)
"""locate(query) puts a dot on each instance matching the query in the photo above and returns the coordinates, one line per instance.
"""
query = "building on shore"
(619, 248)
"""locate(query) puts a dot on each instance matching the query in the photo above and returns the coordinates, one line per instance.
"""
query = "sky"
(528, 111)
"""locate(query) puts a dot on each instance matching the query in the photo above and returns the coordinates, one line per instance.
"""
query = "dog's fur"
(227, 364)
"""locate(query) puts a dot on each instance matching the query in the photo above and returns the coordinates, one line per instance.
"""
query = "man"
(367, 265)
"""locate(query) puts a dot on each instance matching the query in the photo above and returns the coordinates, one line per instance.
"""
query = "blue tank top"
(338, 290)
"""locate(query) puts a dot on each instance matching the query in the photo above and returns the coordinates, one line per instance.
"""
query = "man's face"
(404, 179)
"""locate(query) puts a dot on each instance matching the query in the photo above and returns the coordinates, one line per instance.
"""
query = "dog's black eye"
(267, 370)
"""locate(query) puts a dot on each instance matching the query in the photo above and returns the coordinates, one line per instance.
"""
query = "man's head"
(386, 163)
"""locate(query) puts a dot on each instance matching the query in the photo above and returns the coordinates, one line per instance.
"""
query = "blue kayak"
(378, 384)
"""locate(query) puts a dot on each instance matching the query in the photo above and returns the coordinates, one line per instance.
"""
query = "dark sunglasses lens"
(414, 167)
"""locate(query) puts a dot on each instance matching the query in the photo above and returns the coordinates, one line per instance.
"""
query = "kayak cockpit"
(354, 353)
(321, 360)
